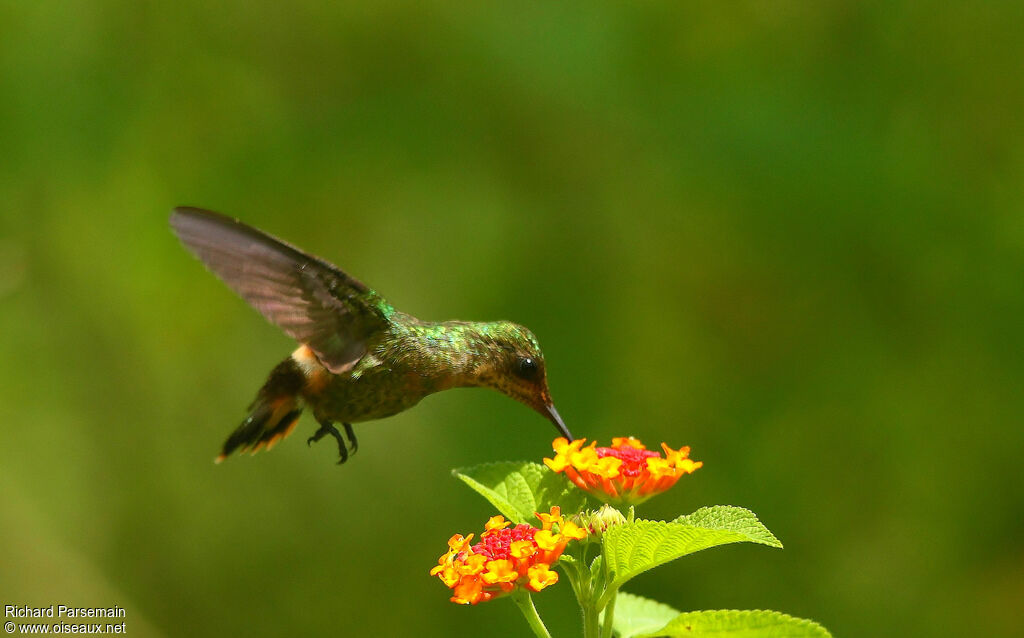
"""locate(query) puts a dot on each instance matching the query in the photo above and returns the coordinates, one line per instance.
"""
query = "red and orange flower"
(625, 473)
(505, 558)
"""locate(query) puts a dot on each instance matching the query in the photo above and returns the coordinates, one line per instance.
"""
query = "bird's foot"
(351, 437)
(328, 428)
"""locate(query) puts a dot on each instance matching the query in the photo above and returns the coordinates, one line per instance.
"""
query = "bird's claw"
(328, 428)
(351, 437)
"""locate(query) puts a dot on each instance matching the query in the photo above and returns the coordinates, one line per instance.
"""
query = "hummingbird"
(358, 359)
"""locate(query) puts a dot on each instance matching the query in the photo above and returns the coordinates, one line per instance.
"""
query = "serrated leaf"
(736, 519)
(635, 547)
(730, 623)
(636, 615)
(519, 489)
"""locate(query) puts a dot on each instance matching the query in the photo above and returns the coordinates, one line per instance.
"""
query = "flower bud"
(597, 521)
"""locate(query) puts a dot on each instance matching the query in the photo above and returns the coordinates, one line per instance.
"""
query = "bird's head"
(515, 367)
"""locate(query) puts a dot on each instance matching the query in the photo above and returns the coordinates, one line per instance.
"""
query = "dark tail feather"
(272, 415)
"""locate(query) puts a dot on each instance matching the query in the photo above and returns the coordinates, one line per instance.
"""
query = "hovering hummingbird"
(359, 358)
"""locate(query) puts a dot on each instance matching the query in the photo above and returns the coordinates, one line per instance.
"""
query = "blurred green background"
(790, 235)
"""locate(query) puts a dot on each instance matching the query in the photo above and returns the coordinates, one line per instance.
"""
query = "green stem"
(591, 622)
(573, 580)
(609, 617)
(525, 604)
(607, 597)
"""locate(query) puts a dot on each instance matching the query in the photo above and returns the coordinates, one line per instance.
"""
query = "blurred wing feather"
(311, 300)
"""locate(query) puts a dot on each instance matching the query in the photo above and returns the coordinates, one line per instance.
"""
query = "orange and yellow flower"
(625, 473)
(505, 558)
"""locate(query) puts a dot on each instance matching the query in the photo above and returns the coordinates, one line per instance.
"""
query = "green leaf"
(636, 615)
(639, 617)
(635, 547)
(730, 623)
(520, 488)
(735, 519)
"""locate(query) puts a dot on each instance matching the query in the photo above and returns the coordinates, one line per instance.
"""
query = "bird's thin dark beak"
(552, 414)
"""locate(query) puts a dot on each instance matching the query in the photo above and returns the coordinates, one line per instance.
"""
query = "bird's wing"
(313, 301)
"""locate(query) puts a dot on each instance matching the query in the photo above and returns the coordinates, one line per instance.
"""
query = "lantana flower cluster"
(505, 558)
(625, 473)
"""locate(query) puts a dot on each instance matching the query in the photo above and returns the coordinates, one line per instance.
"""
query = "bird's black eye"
(527, 368)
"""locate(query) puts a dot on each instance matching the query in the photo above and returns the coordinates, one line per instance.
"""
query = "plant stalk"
(609, 617)
(591, 621)
(525, 603)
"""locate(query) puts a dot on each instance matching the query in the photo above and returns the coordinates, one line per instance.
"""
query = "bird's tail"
(272, 415)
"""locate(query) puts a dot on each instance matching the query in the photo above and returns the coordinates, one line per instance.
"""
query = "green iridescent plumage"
(411, 359)
(361, 359)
